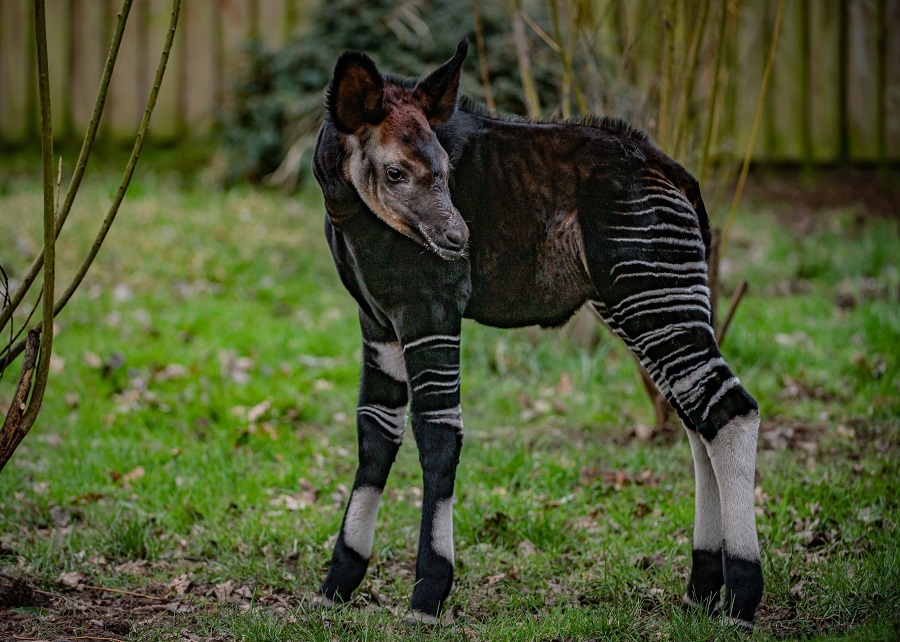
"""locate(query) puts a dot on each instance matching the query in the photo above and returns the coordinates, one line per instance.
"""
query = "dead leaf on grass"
(70, 579)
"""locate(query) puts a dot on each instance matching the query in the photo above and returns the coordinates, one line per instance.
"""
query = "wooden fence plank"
(58, 35)
(892, 80)
(167, 123)
(788, 85)
(124, 101)
(862, 80)
(271, 18)
(88, 54)
(752, 38)
(15, 72)
(198, 74)
(235, 20)
(824, 84)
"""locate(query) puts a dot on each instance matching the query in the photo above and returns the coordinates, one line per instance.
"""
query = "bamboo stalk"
(482, 58)
(714, 112)
(120, 193)
(665, 89)
(532, 102)
(86, 147)
(688, 89)
(760, 104)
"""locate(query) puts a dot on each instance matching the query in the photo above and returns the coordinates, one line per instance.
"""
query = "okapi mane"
(608, 124)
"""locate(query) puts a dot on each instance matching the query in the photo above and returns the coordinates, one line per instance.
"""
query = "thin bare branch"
(735, 302)
(87, 146)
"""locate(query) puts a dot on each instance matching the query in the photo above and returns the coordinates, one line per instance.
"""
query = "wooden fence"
(835, 91)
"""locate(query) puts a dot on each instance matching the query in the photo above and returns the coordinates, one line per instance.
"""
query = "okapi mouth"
(448, 254)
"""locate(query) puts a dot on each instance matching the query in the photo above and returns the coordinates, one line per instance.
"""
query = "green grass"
(198, 425)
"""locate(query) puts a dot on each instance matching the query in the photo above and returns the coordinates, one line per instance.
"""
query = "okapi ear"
(436, 94)
(355, 97)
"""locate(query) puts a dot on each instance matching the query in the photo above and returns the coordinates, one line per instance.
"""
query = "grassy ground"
(197, 442)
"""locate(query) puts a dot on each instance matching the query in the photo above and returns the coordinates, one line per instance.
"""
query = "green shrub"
(277, 105)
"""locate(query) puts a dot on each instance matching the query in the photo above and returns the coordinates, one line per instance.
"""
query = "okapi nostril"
(457, 237)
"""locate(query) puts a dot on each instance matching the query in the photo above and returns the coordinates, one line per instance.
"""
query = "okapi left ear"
(355, 97)
(436, 94)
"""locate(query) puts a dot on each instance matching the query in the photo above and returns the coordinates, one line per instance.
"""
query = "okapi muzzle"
(392, 155)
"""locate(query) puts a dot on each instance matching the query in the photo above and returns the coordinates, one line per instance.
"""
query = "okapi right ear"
(355, 97)
(437, 93)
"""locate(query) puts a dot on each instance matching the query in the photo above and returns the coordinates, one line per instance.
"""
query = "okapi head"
(394, 159)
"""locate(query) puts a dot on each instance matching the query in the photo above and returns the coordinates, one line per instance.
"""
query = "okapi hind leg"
(381, 421)
(647, 256)
(707, 574)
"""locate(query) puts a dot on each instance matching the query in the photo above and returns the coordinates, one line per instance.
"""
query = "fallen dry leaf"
(70, 579)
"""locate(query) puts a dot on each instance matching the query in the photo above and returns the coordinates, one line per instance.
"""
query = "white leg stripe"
(359, 524)
(725, 387)
(659, 226)
(442, 529)
(445, 338)
(448, 417)
(733, 456)
(687, 383)
(389, 359)
(393, 420)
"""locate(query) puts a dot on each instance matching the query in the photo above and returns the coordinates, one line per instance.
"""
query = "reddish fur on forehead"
(405, 120)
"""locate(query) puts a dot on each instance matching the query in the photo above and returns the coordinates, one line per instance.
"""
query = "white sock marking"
(442, 529)
(359, 524)
(733, 456)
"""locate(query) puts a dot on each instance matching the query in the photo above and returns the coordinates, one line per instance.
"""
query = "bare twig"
(735, 302)
(121, 591)
(123, 186)
(760, 105)
(482, 58)
(87, 146)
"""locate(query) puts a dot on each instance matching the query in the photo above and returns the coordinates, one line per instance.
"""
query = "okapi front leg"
(433, 366)
(380, 421)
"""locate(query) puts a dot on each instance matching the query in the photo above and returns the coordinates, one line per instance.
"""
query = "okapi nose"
(457, 236)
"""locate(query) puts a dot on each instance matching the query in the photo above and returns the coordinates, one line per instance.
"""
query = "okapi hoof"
(743, 590)
(705, 586)
(321, 602)
(420, 618)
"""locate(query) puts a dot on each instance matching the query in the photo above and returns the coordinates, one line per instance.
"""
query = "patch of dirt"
(870, 193)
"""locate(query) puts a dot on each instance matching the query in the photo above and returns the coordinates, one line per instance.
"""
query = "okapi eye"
(394, 175)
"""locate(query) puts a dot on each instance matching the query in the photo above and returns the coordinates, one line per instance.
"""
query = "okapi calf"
(439, 210)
